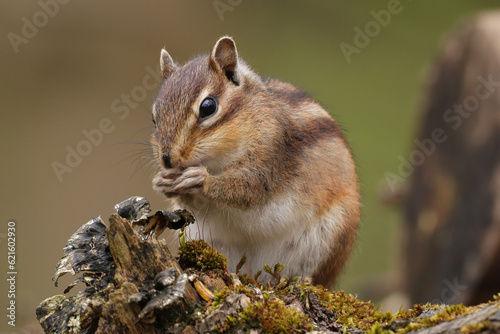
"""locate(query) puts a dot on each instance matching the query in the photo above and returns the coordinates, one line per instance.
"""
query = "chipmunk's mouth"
(172, 160)
(198, 163)
(213, 164)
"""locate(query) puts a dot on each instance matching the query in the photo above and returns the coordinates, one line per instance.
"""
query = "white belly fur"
(283, 231)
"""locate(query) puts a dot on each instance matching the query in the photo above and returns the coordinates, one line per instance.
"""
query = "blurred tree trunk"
(452, 211)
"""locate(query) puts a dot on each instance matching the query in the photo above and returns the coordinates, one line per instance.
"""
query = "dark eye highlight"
(207, 108)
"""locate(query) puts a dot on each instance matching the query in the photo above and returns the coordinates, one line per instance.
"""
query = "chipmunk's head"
(200, 108)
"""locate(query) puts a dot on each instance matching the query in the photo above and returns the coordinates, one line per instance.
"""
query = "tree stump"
(134, 285)
(452, 209)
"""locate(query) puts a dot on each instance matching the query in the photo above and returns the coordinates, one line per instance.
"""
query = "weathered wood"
(137, 260)
(117, 304)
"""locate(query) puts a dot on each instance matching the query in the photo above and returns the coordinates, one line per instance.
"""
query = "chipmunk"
(262, 166)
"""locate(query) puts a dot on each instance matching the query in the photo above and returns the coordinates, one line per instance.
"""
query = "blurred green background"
(83, 56)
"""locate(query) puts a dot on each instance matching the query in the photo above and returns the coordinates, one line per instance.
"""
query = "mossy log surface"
(137, 286)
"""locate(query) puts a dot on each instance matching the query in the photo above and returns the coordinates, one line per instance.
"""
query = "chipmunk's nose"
(165, 159)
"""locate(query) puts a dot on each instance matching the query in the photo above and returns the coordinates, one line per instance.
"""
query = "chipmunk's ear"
(167, 65)
(224, 58)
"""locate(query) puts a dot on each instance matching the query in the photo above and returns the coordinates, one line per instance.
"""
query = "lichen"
(198, 254)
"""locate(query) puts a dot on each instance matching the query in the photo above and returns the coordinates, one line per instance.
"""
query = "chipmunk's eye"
(153, 119)
(207, 108)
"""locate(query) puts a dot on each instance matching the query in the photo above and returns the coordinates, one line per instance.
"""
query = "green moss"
(351, 312)
(447, 314)
(348, 310)
(198, 254)
(276, 272)
(476, 327)
(268, 311)
(272, 316)
(496, 299)
(219, 298)
(377, 329)
(245, 279)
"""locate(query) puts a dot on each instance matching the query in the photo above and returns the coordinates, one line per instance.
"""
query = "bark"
(116, 296)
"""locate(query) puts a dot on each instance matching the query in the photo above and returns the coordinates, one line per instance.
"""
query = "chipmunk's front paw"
(190, 181)
(163, 181)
